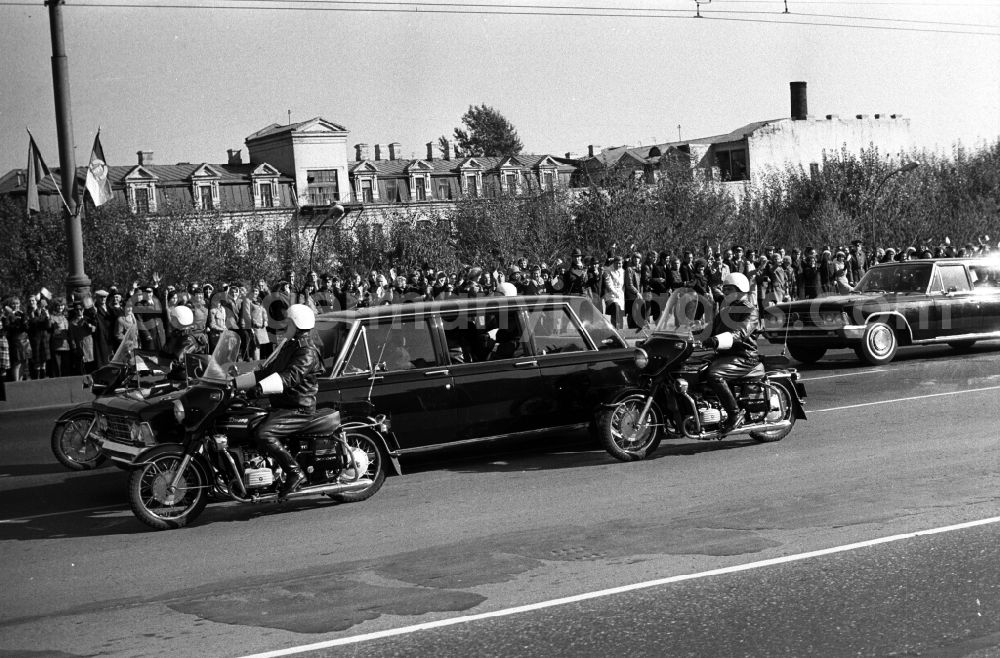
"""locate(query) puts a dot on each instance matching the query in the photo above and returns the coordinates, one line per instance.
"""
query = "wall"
(799, 143)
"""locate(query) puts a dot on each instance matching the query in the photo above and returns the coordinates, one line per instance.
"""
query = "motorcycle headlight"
(641, 359)
(179, 412)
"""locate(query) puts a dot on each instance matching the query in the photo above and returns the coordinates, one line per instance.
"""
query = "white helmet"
(181, 317)
(738, 280)
(301, 316)
(507, 289)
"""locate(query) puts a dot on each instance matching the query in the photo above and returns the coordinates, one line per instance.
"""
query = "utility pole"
(77, 283)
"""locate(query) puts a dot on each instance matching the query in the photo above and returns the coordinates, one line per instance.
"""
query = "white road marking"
(916, 397)
(846, 374)
(405, 630)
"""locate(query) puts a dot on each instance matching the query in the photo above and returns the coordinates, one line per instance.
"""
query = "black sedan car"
(464, 371)
(947, 300)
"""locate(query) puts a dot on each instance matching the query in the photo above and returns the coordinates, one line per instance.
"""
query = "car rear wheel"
(807, 354)
(878, 344)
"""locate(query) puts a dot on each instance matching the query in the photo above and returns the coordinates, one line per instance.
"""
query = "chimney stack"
(360, 152)
(430, 151)
(381, 152)
(235, 157)
(590, 151)
(145, 157)
(447, 150)
(395, 151)
(800, 107)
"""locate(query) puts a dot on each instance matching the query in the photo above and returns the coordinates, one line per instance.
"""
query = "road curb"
(44, 393)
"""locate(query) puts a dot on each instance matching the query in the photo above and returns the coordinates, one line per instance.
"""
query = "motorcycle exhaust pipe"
(340, 487)
(745, 429)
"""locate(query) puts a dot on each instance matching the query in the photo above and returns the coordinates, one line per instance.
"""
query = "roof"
(177, 174)
(452, 166)
(278, 129)
(453, 304)
(612, 155)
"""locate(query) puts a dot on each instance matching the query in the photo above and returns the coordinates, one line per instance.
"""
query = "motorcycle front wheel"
(375, 471)
(148, 495)
(74, 443)
(619, 431)
(783, 412)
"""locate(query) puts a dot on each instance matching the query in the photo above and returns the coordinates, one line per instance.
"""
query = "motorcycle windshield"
(123, 355)
(225, 354)
(683, 314)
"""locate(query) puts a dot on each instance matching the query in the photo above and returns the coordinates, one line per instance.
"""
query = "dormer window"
(140, 190)
(265, 186)
(472, 178)
(366, 182)
(205, 187)
(548, 174)
(420, 180)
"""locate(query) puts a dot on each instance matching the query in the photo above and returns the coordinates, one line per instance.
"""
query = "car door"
(394, 364)
(498, 388)
(572, 368)
(986, 289)
(957, 311)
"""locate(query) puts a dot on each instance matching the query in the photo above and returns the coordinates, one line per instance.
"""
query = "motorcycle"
(674, 400)
(211, 448)
(75, 439)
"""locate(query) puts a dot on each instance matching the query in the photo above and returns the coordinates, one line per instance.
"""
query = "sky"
(190, 81)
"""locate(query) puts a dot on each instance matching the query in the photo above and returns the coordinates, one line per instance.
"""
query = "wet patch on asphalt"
(321, 605)
(435, 579)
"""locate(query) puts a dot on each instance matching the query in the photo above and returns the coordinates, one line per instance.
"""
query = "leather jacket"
(298, 363)
(739, 319)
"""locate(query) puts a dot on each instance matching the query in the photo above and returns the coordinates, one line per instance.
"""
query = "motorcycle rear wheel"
(376, 467)
(73, 446)
(147, 492)
(787, 412)
(618, 433)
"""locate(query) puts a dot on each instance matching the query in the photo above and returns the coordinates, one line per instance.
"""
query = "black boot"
(734, 415)
(294, 477)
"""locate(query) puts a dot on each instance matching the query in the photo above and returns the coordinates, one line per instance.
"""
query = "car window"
(598, 326)
(555, 331)
(954, 279)
(484, 335)
(985, 274)
(393, 344)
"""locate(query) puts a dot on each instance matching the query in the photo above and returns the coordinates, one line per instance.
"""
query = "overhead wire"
(572, 11)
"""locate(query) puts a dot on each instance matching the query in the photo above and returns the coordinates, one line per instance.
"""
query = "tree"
(488, 133)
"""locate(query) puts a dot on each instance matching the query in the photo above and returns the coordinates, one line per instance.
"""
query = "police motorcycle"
(207, 446)
(131, 373)
(673, 399)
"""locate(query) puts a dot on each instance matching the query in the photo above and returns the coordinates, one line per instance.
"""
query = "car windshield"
(897, 278)
(683, 314)
(331, 335)
(225, 354)
(124, 352)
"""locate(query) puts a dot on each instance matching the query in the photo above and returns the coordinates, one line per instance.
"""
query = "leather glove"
(711, 342)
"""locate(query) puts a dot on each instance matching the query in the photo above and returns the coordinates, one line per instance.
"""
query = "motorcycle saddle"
(758, 372)
(324, 422)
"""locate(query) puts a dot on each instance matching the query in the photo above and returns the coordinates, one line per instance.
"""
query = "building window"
(419, 189)
(367, 193)
(471, 187)
(814, 170)
(732, 164)
(511, 179)
(141, 199)
(266, 195)
(547, 181)
(443, 190)
(324, 187)
(205, 192)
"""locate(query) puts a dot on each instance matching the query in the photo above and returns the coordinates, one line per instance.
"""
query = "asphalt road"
(712, 537)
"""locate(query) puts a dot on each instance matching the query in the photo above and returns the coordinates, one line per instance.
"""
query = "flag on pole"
(37, 171)
(97, 174)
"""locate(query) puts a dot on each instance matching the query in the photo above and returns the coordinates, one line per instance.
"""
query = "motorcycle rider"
(733, 332)
(289, 379)
(182, 339)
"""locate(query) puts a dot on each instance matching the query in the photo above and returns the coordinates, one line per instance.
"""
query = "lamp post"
(908, 167)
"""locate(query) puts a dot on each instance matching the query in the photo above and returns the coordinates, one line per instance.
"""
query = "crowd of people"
(44, 335)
